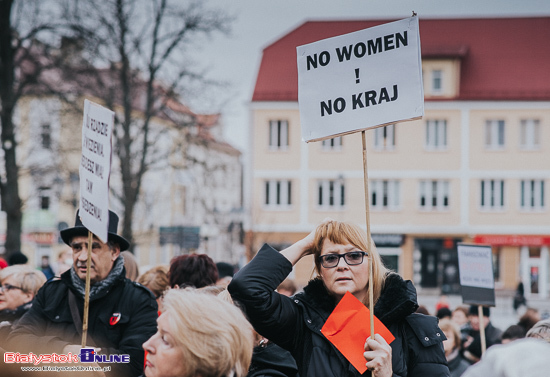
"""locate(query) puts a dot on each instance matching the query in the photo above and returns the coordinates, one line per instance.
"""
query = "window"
(331, 194)
(45, 136)
(437, 81)
(532, 194)
(384, 137)
(529, 134)
(494, 134)
(434, 195)
(384, 194)
(492, 194)
(278, 134)
(44, 198)
(436, 134)
(278, 193)
(332, 144)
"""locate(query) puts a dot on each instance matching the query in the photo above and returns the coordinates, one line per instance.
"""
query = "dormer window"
(437, 81)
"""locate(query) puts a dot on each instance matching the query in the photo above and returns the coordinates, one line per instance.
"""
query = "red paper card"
(348, 328)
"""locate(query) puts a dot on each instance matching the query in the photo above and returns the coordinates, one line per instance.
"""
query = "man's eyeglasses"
(9, 287)
(352, 259)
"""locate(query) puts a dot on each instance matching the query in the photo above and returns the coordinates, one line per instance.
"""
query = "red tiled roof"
(502, 58)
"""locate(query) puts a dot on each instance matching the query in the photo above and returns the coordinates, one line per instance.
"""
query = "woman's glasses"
(8, 287)
(352, 259)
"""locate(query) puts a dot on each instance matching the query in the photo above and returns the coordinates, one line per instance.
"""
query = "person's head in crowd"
(130, 265)
(422, 310)
(156, 280)
(540, 330)
(512, 333)
(529, 318)
(523, 357)
(103, 255)
(460, 315)
(199, 334)
(336, 233)
(444, 312)
(473, 317)
(64, 261)
(225, 273)
(287, 287)
(3, 263)
(193, 270)
(452, 333)
(19, 285)
(17, 258)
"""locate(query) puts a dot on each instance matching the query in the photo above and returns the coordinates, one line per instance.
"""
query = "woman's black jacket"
(295, 323)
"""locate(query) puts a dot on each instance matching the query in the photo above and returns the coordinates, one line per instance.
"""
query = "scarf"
(101, 286)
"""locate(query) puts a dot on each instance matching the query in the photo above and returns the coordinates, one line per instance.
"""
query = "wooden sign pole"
(87, 292)
(481, 329)
(369, 240)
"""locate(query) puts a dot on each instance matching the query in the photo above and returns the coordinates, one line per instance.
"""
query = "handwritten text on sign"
(360, 80)
(95, 167)
(475, 263)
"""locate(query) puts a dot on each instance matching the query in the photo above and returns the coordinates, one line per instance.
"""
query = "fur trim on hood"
(397, 301)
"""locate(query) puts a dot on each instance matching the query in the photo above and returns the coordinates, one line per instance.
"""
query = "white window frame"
(529, 134)
(278, 134)
(436, 134)
(334, 144)
(492, 194)
(385, 194)
(531, 192)
(331, 194)
(495, 134)
(434, 195)
(437, 81)
(277, 194)
(384, 137)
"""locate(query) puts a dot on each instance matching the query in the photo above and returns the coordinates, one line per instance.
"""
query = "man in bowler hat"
(122, 314)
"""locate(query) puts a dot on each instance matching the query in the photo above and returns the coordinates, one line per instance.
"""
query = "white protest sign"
(475, 266)
(360, 80)
(95, 168)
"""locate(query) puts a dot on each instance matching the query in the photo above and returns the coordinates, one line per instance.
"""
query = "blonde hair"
(447, 325)
(26, 277)
(342, 233)
(214, 336)
(540, 330)
(156, 279)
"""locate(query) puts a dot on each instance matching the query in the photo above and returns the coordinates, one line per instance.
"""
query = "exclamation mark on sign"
(357, 75)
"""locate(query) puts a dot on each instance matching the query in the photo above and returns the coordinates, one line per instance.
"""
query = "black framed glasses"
(352, 258)
(9, 287)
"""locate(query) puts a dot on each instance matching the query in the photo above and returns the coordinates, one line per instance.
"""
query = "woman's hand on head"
(303, 247)
(378, 355)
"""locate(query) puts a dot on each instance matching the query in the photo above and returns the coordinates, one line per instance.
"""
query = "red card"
(348, 328)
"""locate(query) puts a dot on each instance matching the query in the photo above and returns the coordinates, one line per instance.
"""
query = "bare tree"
(21, 25)
(144, 46)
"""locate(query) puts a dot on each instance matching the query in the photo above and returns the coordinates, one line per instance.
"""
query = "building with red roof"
(475, 167)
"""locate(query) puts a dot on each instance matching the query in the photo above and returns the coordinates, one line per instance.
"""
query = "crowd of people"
(463, 347)
(198, 318)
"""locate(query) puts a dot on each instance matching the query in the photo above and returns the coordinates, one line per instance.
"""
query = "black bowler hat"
(80, 230)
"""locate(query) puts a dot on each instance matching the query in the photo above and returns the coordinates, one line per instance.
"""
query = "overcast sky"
(235, 58)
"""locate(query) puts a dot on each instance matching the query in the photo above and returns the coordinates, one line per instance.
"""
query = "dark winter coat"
(272, 361)
(295, 323)
(48, 325)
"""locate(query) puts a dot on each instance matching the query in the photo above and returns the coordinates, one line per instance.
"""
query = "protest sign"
(360, 80)
(475, 266)
(348, 328)
(95, 168)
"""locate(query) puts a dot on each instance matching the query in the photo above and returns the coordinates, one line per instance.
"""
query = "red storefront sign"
(511, 240)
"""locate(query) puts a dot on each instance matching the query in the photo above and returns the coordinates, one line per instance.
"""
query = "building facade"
(190, 200)
(474, 169)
